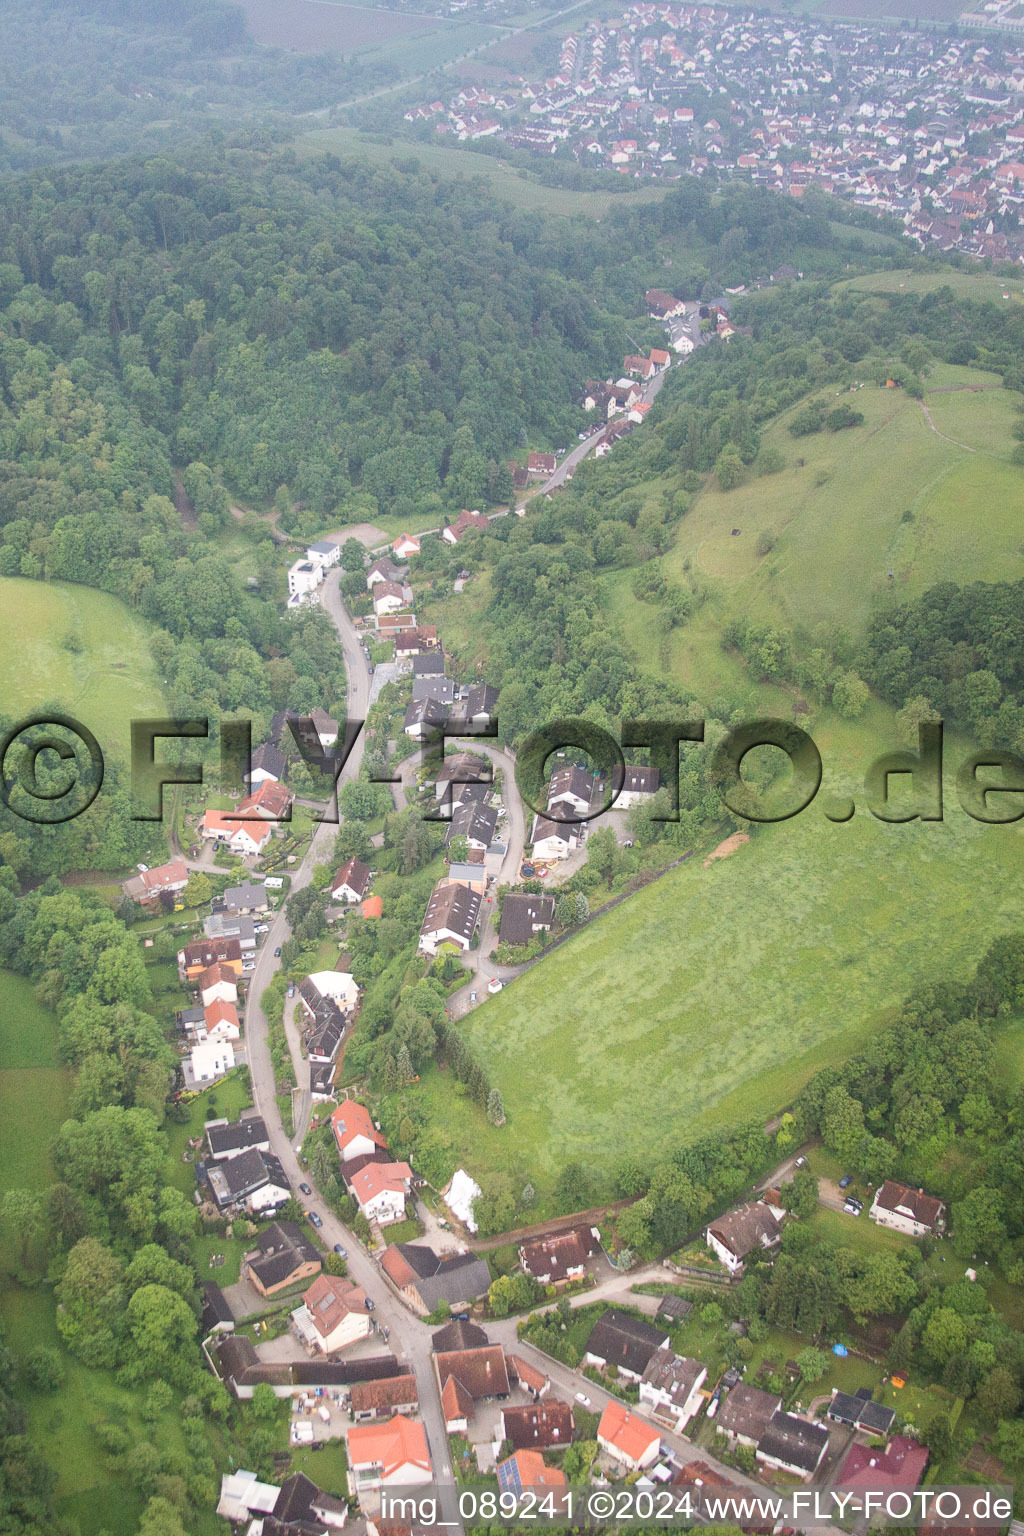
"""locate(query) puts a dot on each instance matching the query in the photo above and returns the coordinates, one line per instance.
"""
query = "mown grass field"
(33, 1086)
(106, 681)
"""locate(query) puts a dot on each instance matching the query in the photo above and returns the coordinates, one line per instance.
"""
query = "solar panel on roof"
(509, 1480)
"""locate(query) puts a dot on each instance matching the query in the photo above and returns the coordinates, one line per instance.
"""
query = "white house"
(351, 882)
(333, 1315)
(907, 1210)
(339, 986)
(324, 554)
(380, 1190)
(247, 838)
(391, 597)
(354, 1131)
(220, 1023)
(218, 984)
(242, 1494)
(628, 1439)
(739, 1232)
(391, 1455)
(570, 790)
(211, 1059)
(639, 785)
(303, 579)
(671, 1385)
(404, 546)
(450, 919)
(553, 839)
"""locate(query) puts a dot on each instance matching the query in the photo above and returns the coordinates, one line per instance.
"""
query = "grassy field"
(504, 181)
(33, 1086)
(969, 285)
(107, 680)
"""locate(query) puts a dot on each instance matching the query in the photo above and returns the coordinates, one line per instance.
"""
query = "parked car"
(846, 1181)
(305, 1189)
(472, 997)
(853, 1207)
(582, 1398)
(371, 1305)
(277, 952)
(341, 1251)
(314, 1219)
(801, 1162)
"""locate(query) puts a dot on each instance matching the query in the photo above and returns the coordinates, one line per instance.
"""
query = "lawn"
(33, 1086)
(230, 1096)
(109, 678)
(715, 993)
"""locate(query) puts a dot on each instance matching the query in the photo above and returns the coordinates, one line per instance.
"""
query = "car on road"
(582, 1398)
(472, 997)
(315, 1220)
(341, 1251)
(305, 1189)
(801, 1162)
(277, 952)
(846, 1181)
(371, 1305)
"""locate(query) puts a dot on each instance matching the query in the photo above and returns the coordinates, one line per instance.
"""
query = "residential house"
(746, 1413)
(326, 553)
(466, 522)
(303, 1508)
(793, 1445)
(404, 546)
(383, 570)
(553, 839)
(378, 1399)
(480, 705)
(426, 1278)
(283, 1256)
(476, 823)
(754, 1225)
(450, 919)
(354, 1131)
(661, 305)
(627, 1439)
(907, 1210)
(218, 984)
(570, 791)
(900, 1465)
(529, 1378)
(247, 838)
(527, 1469)
(524, 916)
(229, 1138)
(860, 1411)
(243, 1495)
(380, 1190)
(562, 1256)
(425, 718)
(236, 1362)
(419, 640)
(229, 925)
(338, 986)
(270, 801)
(304, 578)
(389, 1455)
(548, 1424)
(267, 762)
(210, 1060)
(625, 1342)
(216, 1316)
(541, 465)
(246, 899)
(391, 597)
(198, 956)
(459, 769)
(333, 1315)
(466, 1377)
(162, 880)
(434, 686)
(472, 876)
(220, 1022)
(634, 786)
(671, 1384)
(253, 1179)
(351, 883)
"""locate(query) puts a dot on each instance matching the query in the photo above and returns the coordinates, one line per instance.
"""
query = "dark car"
(341, 1251)
(315, 1220)
(370, 1305)
(846, 1181)
(277, 951)
(305, 1189)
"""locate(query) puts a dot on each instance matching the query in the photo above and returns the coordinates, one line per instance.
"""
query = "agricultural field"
(79, 649)
(309, 26)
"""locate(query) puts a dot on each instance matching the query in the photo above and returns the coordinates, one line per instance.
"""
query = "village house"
(355, 1133)
(746, 1413)
(524, 916)
(418, 640)
(253, 1179)
(479, 706)
(247, 838)
(297, 1508)
(325, 553)
(199, 955)
(476, 823)
(860, 1412)
(538, 1426)
(339, 986)
(351, 882)
(626, 1439)
(527, 1469)
(529, 1378)
(907, 1210)
(404, 546)
(425, 1278)
(333, 1315)
(466, 522)
(671, 1385)
(270, 801)
(561, 1256)
(220, 1022)
(900, 1465)
(635, 786)
(625, 1342)
(793, 1445)
(570, 791)
(304, 577)
(466, 1377)
(236, 1362)
(380, 1190)
(425, 718)
(283, 1256)
(162, 880)
(229, 1138)
(434, 686)
(218, 984)
(450, 919)
(246, 899)
(383, 570)
(465, 873)
(457, 770)
(389, 1455)
(661, 305)
(754, 1225)
(208, 1061)
(391, 597)
(553, 839)
(541, 465)
(267, 762)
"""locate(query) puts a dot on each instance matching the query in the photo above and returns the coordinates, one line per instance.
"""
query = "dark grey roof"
(625, 1341)
(520, 913)
(323, 1039)
(793, 1441)
(482, 699)
(473, 820)
(236, 1136)
(454, 1336)
(215, 1306)
(428, 663)
(434, 686)
(452, 907)
(462, 1277)
(428, 712)
(283, 1247)
(270, 758)
(239, 1364)
(860, 1411)
(675, 1306)
(245, 897)
(877, 1418)
(747, 1411)
(236, 1177)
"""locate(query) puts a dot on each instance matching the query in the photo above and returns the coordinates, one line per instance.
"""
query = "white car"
(581, 1398)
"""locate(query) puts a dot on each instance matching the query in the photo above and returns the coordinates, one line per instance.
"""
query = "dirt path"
(928, 418)
(724, 849)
